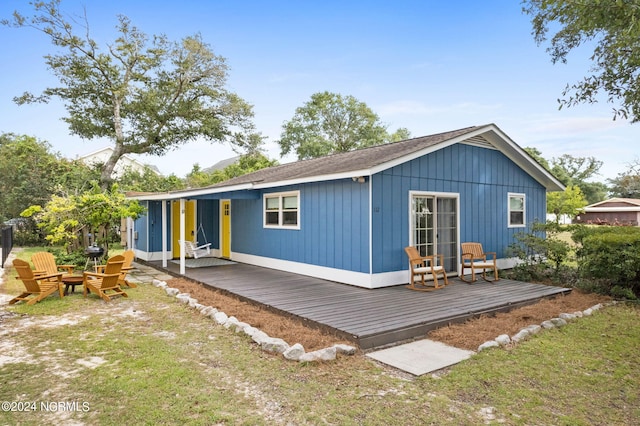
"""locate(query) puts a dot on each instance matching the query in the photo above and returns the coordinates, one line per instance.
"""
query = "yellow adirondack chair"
(45, 264)
(126, 268)
(39, 287)
(103, 283)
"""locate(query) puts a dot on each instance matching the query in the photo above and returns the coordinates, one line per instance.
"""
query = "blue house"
(347, 217)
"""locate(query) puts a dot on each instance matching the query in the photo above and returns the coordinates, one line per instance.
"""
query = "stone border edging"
(267, 343)
(526, 332)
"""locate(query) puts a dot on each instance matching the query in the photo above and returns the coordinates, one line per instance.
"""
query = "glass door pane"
(423, 225)
(447, 234)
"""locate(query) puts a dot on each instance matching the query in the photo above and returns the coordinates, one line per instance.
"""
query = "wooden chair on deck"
(126, 268)
(474, 258)
(423, 266)
(37, 286)
(101, 283)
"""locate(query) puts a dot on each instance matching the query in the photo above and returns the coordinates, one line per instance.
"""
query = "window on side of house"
(282, 210)
(516, 210)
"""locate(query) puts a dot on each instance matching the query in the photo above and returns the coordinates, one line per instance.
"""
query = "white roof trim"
(186, 193)
(611, 209)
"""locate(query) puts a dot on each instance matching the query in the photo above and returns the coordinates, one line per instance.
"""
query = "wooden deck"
(369, 318)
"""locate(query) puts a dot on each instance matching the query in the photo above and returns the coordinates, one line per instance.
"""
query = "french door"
(434, 226)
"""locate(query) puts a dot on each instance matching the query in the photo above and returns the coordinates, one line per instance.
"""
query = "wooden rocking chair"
(422, 266)
(101, 283)
(474, 258)
(37, 286)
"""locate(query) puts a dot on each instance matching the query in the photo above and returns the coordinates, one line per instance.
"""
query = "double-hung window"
(516, 210)
(282, 210)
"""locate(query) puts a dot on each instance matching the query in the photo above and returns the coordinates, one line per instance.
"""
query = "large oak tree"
(613, 29)
(330, 123)
(146, 94)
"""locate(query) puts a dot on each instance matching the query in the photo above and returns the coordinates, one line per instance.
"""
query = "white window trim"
(279, 195)
(524, 209)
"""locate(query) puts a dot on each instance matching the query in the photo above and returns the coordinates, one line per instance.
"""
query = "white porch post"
(164, 233)
(182, 236)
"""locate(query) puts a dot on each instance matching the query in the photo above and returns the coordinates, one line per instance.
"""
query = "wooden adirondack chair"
(126, 268)
(102, 283)
(45, 264)
(475, 258)
(38, 287)
(423, 266)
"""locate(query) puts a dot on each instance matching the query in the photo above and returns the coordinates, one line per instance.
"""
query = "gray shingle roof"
(360, 159)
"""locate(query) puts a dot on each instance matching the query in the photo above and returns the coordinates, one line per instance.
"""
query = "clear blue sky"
(430, 66)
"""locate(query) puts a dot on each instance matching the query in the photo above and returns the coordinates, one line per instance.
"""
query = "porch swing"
(192, 249)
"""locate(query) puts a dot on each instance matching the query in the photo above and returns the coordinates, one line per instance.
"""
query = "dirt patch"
(468, 335)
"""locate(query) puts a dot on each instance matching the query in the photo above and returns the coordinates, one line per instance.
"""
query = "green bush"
(610, 255)
(543, 257)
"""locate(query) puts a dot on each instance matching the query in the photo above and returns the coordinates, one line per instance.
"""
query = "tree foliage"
(568, 202)
(613, 28)
(68, 220)
(147, 95)
(627, 184)
(573, 171)
(248, 163)
(30, 172)
(331, 123)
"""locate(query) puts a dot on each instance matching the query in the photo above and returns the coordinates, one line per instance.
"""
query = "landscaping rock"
(220, 317)
(206, 310)
(294, 352)
(489, 344)
(521, 335)
(548, 325)
(231, 322)
(567, 317)
(327, 354)
(503, 339)
(274, 345)
(533, 329)
(158, 283)
(587, 312)
(558, 322)
(171, 291)
(345, 349)
(259, 336)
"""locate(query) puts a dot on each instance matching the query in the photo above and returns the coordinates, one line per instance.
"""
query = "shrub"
(542, 255)
(611, 255)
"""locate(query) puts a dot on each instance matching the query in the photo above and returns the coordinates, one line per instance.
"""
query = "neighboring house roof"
(222, 164)
(614, 205)
(102, 155)
(368, 161)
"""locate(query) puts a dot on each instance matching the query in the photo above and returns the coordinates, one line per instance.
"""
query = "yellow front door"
(189, 224)
(226, 228)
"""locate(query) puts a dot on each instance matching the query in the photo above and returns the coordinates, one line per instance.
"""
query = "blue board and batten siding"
(482, 177)
(334, 227)
(356, 232)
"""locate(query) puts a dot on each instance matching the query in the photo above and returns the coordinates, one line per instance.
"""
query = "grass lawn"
(150, 360)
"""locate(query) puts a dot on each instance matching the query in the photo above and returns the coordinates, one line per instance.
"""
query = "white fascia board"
(191, 193)
(310, 179)
(519, 156)
(611, 209)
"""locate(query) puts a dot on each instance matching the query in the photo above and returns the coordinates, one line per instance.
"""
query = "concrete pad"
(420, 357)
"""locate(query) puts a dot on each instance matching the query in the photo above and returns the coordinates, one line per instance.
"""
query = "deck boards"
(370, 318)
